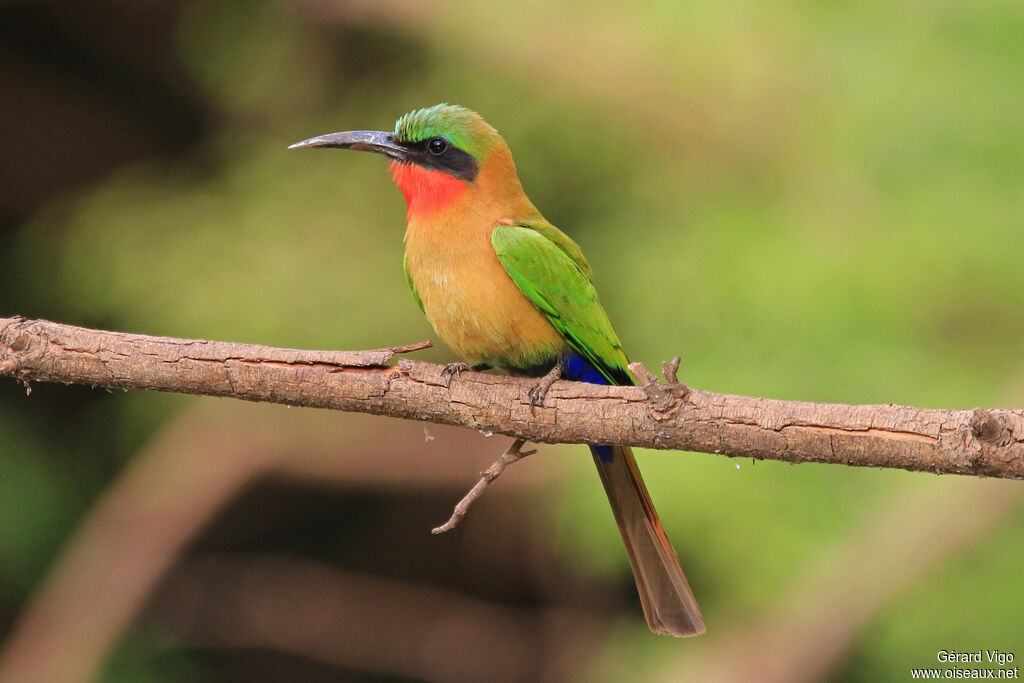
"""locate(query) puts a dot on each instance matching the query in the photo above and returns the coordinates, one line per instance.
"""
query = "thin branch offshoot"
(660, 415)
(513, 454)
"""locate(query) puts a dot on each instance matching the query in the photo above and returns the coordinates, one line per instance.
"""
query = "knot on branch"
(999, 444)
(15, 341)
(988, 428)
(665, 401)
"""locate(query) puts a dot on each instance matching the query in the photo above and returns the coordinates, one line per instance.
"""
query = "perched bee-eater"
(506, 289)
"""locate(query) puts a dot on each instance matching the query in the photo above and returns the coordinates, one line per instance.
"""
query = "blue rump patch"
(579, 369)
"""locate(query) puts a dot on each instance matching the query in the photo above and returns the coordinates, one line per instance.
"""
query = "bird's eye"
(437, 146)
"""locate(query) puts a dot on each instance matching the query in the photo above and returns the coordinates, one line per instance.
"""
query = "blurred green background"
(805, 200)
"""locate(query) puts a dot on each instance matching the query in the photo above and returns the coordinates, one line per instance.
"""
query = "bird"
(506, 289)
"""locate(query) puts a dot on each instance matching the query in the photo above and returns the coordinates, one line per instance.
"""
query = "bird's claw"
(536, 395)
(453, 369)
(539, 390)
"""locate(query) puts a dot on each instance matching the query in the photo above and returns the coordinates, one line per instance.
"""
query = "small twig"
(641, 372)
(670, 370)
(510, 456)
(409, 348)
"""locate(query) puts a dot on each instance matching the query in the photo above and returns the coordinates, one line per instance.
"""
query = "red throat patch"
(426, 190)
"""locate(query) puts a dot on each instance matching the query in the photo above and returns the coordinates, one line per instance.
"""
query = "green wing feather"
(563, 242)
(550, 270)
(412, 285)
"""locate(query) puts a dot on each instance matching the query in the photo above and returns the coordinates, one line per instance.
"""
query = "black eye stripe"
(438, 152)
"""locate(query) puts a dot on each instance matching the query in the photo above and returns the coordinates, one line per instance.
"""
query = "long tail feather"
(666, 597)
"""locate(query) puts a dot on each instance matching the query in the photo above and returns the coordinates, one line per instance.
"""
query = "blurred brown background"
(807, 201)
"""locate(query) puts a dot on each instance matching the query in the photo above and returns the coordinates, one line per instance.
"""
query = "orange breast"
(468, 297)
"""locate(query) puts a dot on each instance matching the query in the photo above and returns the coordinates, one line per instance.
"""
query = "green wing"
(550, 270)
(565, 243)
(412, 285)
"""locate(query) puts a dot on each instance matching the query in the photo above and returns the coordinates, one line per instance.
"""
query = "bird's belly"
(480, 313)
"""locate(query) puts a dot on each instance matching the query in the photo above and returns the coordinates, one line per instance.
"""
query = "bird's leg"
(458, 367)
(539, 390)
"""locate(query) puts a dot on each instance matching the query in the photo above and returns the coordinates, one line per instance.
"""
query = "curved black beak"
(363, 140)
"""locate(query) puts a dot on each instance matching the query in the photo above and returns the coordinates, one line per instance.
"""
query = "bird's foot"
(539, 390)
(453, 369)
(457, 368)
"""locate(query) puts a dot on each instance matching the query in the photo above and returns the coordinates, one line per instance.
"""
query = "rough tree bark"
(656, 415)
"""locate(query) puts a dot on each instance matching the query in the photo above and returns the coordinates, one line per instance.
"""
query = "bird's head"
(436, 152)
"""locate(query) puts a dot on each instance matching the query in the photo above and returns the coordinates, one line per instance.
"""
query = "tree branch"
(666, 416)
